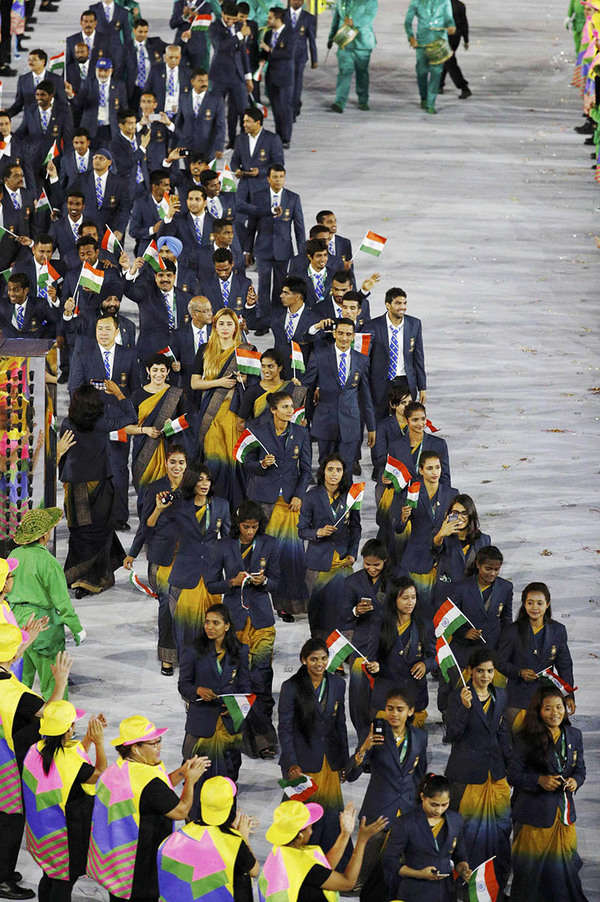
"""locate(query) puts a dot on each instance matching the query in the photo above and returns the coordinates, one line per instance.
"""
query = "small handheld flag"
(51, 155)
(245, 443)
(373, 244)
(430, 428)
(91, 279)
(297, 358)
(56, 63)
(448, 618)
(355, 496)
(201, 22)
(446, 660)
(362, 342)
(42, 203)
(163, 207)
(340, 648)
(412, 495)
(397, 473)
(140, 585)
(110, 242)
(152, 257)
(557, 682)
(167, 352)
(299, 416)
(172, 427)
(483, 886)
(299, 789)
(118, 435)
(228, 180)
(238, 707)
(248, 361)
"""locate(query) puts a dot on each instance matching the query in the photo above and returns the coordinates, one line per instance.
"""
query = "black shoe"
(10, 890)
(8, 72)
(287, 618)
(336, 108)
(260, 332)
(586, 129)
(48, 8)
(286, 145)
(466, 92)
(31, 20)
(122, 527)
(589, 140)
(593, 156)
(167, 669)
(81, 593)
(16, 877)
(64, 377)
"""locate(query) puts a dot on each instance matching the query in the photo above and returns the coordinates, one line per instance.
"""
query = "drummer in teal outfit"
(435, 21)
(355, 57)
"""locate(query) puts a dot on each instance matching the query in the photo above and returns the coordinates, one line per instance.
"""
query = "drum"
(438, 52)
(345, 35)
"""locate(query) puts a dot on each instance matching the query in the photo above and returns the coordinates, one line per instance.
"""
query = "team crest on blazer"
(286, 214)
(116, 103)
(186, 318)
(415, 762)
(55, 130)
(302, 29)
(296, 451)
(553, 651)
(412, 343)
(263, 563)
(113, 200)
(452, 848)
(184, 287)
(335, 707)
(263, 154)
(207, 114)
(34, 324)
(574, 754)
(123, 378)
(500, 608)
(355, 378)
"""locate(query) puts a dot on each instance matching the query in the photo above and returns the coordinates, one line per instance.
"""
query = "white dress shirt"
(252, 141)
(400, 370)
(200, 336)
(197, 100)
(104, 110)
(296, 316)
(111, 357)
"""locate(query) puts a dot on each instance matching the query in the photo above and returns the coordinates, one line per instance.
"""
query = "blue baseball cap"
(104, 151)
(104, 63)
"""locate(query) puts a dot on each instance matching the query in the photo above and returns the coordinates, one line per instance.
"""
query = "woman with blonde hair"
(215, 375)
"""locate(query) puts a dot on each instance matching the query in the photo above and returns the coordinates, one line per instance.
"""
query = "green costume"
(40, 588)
(259, 10)
(434, 18)
(356, 56)
(577, 16)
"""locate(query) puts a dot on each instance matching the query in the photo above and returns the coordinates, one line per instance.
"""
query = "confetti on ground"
(546, 553)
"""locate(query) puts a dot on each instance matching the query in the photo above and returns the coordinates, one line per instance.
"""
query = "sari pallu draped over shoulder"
(149, 461)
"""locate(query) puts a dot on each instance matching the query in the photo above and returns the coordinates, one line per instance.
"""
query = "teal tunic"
(433, 18)
(362, 13)
(354, 59)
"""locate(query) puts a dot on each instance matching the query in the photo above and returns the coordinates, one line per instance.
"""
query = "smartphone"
(369, 602)
(257, 574)
(154, 117)
(378, 726)
(442, 875)
(97, 383)
(184, 151)
(452, 517)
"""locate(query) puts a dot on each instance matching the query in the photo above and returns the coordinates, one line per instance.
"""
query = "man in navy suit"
(254, 151)
(32, 261)
(129, 155)
(77, 161)
(278, 48)
(315, 272)
(98, 44)
(226, 288)
(65, 230)
(85, 304)
(189, 337)
(140, 56)
(160, 128)
(276, 210)
(292, 322)
(337, 245)
(99, 101)
(341, 284)
(201, 120)
(163, 308)
(397, 356)
(27, 84)
(17, 201)
(223, 237)
(303, 25)
(229, 71)
(111, 304)
(193, 226)
(106, 199)
(170, 81)
(220, 204)
(148, 219)
(196, 49)
(14, 150)
(77, 71)
(342, 378)
(24, 316)
(44, 123)
(112, 21)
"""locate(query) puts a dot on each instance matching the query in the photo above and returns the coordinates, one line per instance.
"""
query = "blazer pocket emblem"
(500, 609)
(207, 114)
(415, 762)
(302, 29)
(553, 651)
(452, 848)
(335, 707)
(234, 673)
(574, 755)
(238, 303)
(55, 130)
(412, 344)
(286, 214)
(263, 154)
(355, 379)
(296, 451)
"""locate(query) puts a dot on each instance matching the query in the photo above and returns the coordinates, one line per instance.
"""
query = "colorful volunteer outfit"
(207, 859)
(434, 18)
(7, 568)
(129, 822)
(353, 57)
(19, 727)
(58, 809)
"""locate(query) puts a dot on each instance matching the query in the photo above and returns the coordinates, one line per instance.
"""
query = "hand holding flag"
(397, 473)
(354, 499)
(446, 661)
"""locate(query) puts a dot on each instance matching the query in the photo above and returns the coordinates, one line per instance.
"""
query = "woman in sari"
(252, 403)
(155, 403)
(84, 469)
(218, 430)
(202, 520)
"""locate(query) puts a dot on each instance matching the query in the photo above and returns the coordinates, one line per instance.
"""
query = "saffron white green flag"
(172, 427)
(248, 361)
(299, 789)
(91, 279)
(373, 244)
(412, 495)
(297, 358)
(448, 618)
(397, 473)
(246, 441)
(483, 886)
(339, 649)
(238, 707)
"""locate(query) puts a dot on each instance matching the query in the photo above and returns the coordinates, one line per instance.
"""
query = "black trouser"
(51, 890)
(452, 68)
(5, 7)
(11, 831)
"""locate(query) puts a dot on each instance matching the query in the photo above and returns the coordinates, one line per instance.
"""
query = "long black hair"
(346, 479)
(51, 745)
(389, 627)
(473, 530)
(534, 734)
(304, 702)
(190, 478)
(231, 643)
(522, 620)
(86, 407)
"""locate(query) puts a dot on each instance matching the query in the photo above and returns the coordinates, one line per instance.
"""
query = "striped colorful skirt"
(485, 808)
(188, 609)
(223, 749)
(292, 594)
(424, 583)
(546, 864)
(326, 594)
(329, 795)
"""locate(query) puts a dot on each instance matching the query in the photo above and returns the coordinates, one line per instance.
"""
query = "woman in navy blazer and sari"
(533, 643)
(333, 534)
(246, 571)
(476, 768)
(216, 665)
(546, 769)
(457, 544)
(312, 735)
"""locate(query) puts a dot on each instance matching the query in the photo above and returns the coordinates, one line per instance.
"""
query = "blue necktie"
(20, 316)
(225, 289)
(331, 247)
(170, 313)
(99, 192)
(274, 37)
(289, 329)
(139, 175)
(75, 229)
(15, 200)
(171, 82)
(81, 163)
(319, 286)
(212, 207)
(394, 349)
(107, 364)
(197, 229)
(102, 93)
(342, 369)
(141, 67)
(45, 118)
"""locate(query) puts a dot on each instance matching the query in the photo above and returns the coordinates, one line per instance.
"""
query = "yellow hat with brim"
(36, 523)
(58, 717)
(137, 729)
(289, 819)
(11, 639)
(216, 799)
(7, 566)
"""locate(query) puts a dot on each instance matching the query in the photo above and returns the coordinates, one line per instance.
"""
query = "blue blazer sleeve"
(286, 726)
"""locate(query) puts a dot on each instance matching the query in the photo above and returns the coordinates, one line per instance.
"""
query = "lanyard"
(204, 511)
(320, 692)
(560, 756)
(248, 550)
(403, 749)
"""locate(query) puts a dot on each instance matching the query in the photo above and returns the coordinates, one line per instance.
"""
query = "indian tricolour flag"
(172, 427)
(362, 342)
(238, 707)
(565, 806)
(91, 279)
(299, 416)
(201, 22)
(483, 886)
(412, 495)
(56, 63)
(355, 496)
(52, 153)
(152, 257)
(297, 358)
(299, 789)
(373, 244)
(339, 649)
(445, 659)
(397, 473)
(167, 352)
(248, 361)
(118, 435)
(430, 428)
(110, 242)
(228, 180)
(245, 443)
(42, 203)
(564, 688)
(163, 207)
(140, 585)
(448, 618)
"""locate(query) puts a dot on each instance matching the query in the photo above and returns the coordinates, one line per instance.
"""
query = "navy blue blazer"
(125, 160)
(300, 268)
(340, 408)
(414, 358)
(87, 363)
(328, 738)
(267, 150)
(356, 586)
(326, 310)
(89, 301)
(238, 292)
(251, 601)
(158, 83)
(291, 476)
(116, 204)
(274, 234)
(26, 264)
(480, 742)
(40, 319)
(392, 788)
(391, 439)
(283, 345)
(280, 71)
(162, 140)
(69, 173)
(37, 141)
(144, 215)
(105, 45)
(88, 460)
(412, 843)
(204, 133)
(415, 645)
(304, 36)
(160, 540)
(183, 228)
(87, 104)
(155, 48)
(195, 50)
(196, 670)
(317, 512)
(154, 320)
(198, 541)
(65, 241)
(531, 804)
(426, 520)
(25, 95)
(118, 28)
(492, 621)
(182, 345)
(229, 63)
(452, 561)
(548, 648)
